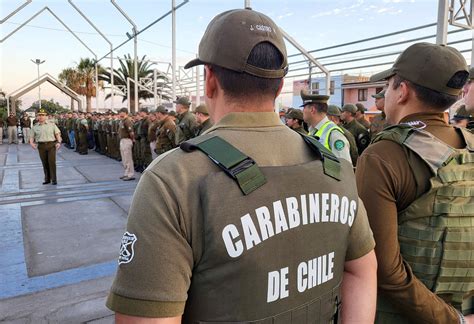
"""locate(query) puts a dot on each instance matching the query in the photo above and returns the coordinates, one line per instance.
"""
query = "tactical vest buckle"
(240, 167)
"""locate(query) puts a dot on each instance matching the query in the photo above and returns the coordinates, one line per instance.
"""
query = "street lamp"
(38, 62)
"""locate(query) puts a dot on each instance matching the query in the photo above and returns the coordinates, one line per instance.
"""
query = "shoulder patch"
(126, 248)
(339, 145)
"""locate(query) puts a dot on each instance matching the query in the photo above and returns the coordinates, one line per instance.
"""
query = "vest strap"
(331, 164)
(234, 163)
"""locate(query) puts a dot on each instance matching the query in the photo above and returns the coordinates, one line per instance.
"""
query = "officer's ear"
(210, 82)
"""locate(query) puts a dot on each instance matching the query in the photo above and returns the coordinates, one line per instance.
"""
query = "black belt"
(46, 142)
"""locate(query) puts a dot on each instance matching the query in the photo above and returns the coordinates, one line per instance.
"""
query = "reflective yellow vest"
(324, 133)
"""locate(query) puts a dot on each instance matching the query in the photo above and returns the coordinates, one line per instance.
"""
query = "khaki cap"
(334, 110)
(471, 73)
(312, 98)
(232, 35)
(161, 109)
(201, 109)
(379, 95)
(350, 108)
(360, 107)
(428, 65)
(40, 112)
(294, 114)
(183, 101)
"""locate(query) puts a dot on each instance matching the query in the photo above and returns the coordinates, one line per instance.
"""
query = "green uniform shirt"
(164, 239)
(44, 132)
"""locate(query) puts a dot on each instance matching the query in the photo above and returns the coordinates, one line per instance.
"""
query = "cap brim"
(384, 75)
(194, 62)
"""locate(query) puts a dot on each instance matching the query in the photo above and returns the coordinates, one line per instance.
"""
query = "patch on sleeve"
(126, 248)
(339, 145)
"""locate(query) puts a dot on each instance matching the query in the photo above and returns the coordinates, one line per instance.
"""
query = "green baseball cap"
(201, 109)
(430, 66)
(350, 108)
(161, 109)
(183, 101)
(471, 73)
(231, 36)
(360, 107)
(334, 110)
(312, 98)
(294, 114)
(379, 95)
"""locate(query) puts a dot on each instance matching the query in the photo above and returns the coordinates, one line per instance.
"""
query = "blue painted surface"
(335, 99)
(14, 280)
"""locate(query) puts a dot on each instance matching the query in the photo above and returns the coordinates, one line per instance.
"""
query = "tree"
(3, 105)
(127, 70)
(51, 107)
(81, 79)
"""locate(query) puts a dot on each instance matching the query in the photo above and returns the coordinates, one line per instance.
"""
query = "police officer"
(361, 134)
(461, 118)
(151, 136)
(2, 125)
(25, 124)
(360, 115)
(202, 118)
(186, 121)
(165, 132)
(46, 137)
(294, 119)
(127, 139)
(380, 121)
(320, 127)
(334, 115)
(83, 129)
(412, 179)
(12, 123)
(220, 231)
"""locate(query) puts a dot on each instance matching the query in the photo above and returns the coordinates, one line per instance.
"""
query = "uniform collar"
(320, 124)
(249, 120)
(433, 119)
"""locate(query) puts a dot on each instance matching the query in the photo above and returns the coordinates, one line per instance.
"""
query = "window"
(363, 94)
(378, 89)
(332, 87)
(315, 87)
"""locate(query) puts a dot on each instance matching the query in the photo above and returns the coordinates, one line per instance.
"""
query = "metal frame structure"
(111, 54)
(70, 31)
(27, 2)
(38, 62)
(44, 78)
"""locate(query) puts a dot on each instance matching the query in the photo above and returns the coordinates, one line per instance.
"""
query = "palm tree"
(81, 79)
(125, 71)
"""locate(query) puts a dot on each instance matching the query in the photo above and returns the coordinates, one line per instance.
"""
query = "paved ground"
(59, 243)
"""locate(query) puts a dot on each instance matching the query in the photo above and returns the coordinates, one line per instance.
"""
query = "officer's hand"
(469, 319)
(34, 146)
(58, 146)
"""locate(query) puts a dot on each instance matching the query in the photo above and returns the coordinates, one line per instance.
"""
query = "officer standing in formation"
(416, 183)
(2, 126)
(25, 124)
(334, 115)
(360, 133)
(220, 231)
(12, 123)
(294, 120)
(186, 121)
(202, 119)
(166, 131)
(330, 135)
(379, 122)
(46, 137)
(127, 139)
(360, 115)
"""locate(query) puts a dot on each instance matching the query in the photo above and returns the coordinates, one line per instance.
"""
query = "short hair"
(320, 107)
(123, 110)
(241, 84)
(431, 98)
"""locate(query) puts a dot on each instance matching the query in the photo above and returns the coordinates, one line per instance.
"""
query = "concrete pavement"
(60, 243)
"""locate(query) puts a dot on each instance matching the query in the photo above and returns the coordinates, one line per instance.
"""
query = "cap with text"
(232, 35)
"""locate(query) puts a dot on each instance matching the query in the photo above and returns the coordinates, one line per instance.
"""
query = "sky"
(314, 24)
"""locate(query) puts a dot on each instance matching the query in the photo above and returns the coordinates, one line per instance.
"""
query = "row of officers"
(154, 133)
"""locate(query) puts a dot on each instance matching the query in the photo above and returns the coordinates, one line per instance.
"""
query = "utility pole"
(38, 62)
